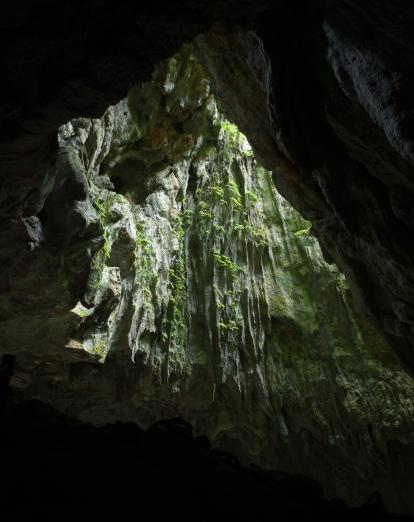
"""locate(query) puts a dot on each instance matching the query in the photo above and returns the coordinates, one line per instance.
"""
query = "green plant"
(234, 189)
(218, 291)
(177, 286)
(222, 260)
(232, 325)
(235, 196)
(187, 216)
(227, 326)
(102, 209)
(222, 327)
(97, 270)
(219, 228)
(230, 131)
(252, 197)
(204, 211)
(233, 139)
(257, 234)
(304, 231)
(217, 191)
(239, 226)
(143, 264)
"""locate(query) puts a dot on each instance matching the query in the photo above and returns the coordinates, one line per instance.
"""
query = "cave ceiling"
(322, 90)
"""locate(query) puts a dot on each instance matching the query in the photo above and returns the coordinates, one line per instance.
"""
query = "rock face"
(323, 94)
(168, 277)
(322, 88)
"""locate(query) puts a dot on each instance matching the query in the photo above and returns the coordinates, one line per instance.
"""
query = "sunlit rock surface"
(183, 284)
(324, 95)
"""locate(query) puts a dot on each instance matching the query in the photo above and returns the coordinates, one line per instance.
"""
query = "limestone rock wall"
(184, 284)
(322, 92)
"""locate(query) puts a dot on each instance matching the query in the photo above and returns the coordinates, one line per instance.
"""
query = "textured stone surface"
(328, 82)
(336, 100)
(177, 252)
(323, 92)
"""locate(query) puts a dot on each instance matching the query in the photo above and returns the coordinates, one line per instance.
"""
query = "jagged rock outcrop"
(336, 100)
(326, 104)
(168, 277)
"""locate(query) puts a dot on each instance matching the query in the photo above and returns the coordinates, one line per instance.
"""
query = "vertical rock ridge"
(188, 286)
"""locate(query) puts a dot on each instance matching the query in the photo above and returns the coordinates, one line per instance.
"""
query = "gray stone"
(194, 289)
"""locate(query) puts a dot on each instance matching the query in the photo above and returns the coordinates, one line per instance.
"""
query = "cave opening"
(173, 268)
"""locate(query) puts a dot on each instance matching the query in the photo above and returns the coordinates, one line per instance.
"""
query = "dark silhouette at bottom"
(53, 468)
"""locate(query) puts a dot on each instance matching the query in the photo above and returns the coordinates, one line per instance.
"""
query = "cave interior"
(207, 278)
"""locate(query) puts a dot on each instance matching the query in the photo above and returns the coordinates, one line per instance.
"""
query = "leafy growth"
(177, 285)
(143, 264)
(303, 231)
(252, 197)
(231, 132)
(224, 261)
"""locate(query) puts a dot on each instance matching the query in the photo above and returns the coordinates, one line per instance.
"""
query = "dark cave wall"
(322, 89)
(330, 112)
(164, 241)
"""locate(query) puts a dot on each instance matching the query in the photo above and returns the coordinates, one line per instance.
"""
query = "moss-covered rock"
(190, 287)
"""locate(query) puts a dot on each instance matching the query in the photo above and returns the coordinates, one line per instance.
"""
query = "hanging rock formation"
(327, 105)
(168, 277)
(333, 120)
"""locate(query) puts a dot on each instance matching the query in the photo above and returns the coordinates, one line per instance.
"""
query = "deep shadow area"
(56, 468)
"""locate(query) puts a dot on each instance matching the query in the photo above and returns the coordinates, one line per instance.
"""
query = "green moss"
(100, 348)
(102, 206)
(97, 269)
(144, 275)
(174, 327)
(231, 132)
